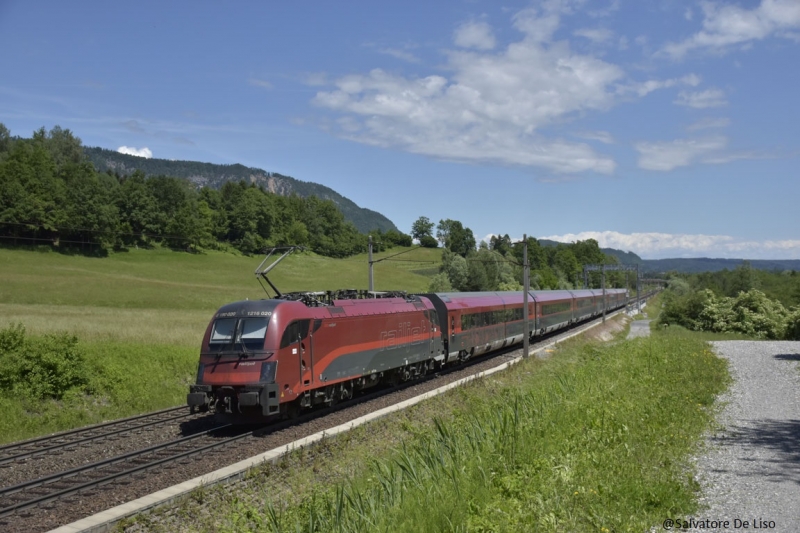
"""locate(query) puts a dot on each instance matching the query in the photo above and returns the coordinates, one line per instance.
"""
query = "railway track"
(84, 478)
(49, 444)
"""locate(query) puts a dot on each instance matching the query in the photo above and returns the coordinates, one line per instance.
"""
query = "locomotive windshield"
(238, 333)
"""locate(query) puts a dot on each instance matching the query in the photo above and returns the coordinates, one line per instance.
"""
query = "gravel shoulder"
(639, 328)
(750, 469)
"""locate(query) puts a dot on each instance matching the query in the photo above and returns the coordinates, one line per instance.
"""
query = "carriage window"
(551, 309)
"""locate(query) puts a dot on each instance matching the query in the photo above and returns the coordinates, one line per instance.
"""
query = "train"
(262, 359)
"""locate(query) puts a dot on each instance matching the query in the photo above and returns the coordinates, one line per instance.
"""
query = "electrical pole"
(603, 284)
(526, 282)
(369, 258)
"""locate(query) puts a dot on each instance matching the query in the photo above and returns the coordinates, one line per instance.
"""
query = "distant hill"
(625, 258)
(691, 265)
(215, 176)
(705, 264)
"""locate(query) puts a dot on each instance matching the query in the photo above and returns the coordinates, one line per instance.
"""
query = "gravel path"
(639, 328)
(751, 469)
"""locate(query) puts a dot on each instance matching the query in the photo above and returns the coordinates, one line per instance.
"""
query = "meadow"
(139, 317)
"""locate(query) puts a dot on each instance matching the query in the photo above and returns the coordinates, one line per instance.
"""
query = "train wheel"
(292, 410)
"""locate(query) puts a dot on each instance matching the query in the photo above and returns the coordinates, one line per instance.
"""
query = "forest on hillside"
(51, 194)
(215, 176)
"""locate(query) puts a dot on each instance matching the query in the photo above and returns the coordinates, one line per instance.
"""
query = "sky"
(667, 128)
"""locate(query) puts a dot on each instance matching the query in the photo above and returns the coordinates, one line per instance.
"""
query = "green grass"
(140, 316)
(163, 279)
(595, 438)
(130, 378)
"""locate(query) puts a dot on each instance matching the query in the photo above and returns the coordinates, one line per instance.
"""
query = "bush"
(44, 367)
(751, 313)
(426, 241)
(793, 326)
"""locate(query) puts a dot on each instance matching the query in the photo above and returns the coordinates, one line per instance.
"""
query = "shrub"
(793, 326)
(43, 367)
(427, 241)
(751, 313)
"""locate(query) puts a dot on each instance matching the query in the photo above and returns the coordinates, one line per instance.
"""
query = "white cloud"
(474, 35)
(139, 152)
(397, 53)
(596, 35)
(491, 107)
(702, 99)
(604, 12)
(708, 123)
(725, 25)
(264, 84)
(602, 136)
(646, 87)
(669, 155)
(663, 245)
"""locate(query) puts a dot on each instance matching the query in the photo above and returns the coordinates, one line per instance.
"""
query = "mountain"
(706, 264)
(215, 176)
(691, 265)
(625, 258)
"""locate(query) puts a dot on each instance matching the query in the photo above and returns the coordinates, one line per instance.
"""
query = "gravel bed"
(750, 470)
(90, 452)
(70, 509)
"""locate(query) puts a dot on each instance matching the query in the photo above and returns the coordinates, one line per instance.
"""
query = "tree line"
(497, 265)
(756, 303)
(50, 193)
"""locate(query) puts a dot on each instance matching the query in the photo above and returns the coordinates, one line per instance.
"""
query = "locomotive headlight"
(268, 369)
(200, 369)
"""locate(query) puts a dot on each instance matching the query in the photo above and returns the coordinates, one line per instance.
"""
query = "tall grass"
(596, 440)
(126, 378)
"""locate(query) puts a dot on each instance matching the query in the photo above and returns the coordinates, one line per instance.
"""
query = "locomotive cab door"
(306, 350)
(297, 340)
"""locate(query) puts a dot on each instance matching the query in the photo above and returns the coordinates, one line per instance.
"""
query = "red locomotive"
(275, 357)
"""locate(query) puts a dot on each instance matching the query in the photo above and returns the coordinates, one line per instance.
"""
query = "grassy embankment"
(595, 438)
(139, 317)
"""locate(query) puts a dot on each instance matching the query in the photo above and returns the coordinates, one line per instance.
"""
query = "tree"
(500, 244)
(440, 283)
(455, 267)
(564, 261)
(455, 237)
(396, 238)
(5, 139)
(31, 193)
(89, 210)
(137, 208)
(422, 228)
(65, 147)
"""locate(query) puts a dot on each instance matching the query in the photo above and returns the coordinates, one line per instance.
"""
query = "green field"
(139, 317)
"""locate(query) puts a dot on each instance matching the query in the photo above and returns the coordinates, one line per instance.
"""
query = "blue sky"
(668, 128)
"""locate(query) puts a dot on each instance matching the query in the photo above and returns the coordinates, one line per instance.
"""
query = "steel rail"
(53, 478)
(84, 429)
(125, 429)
